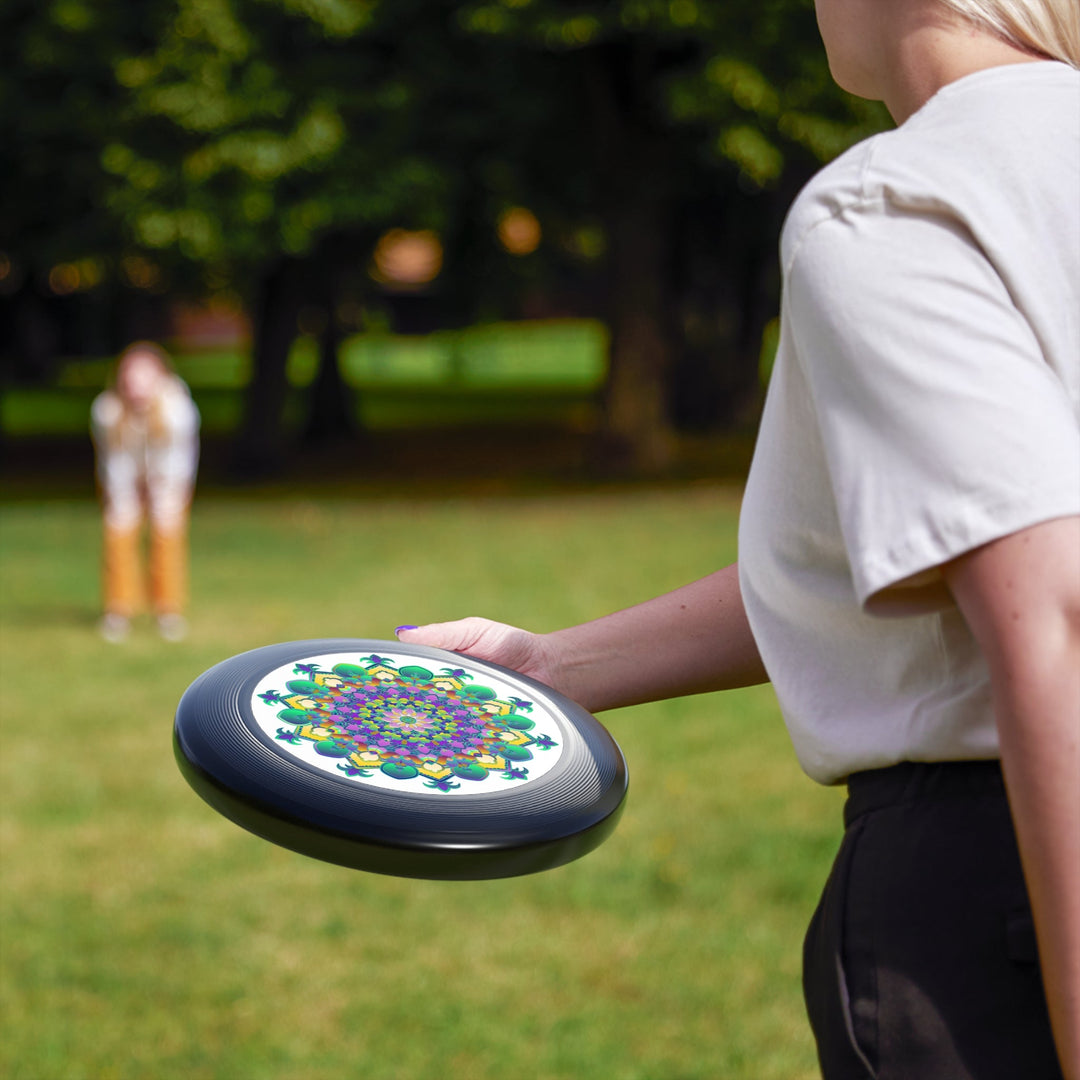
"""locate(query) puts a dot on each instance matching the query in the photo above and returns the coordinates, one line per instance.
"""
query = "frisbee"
(400, 759)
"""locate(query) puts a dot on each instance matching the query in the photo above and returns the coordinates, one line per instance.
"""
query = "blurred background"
(477, 301)
(349, 216)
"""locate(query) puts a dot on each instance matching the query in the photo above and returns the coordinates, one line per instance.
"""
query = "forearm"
(690, 641)
(1021, 598)
(1039, 727)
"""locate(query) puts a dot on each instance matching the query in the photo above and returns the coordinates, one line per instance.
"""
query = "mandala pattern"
(397, 724)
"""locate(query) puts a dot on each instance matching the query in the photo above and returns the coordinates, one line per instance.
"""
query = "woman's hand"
(497, 642)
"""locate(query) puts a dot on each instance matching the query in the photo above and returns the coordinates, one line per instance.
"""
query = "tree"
(295, 134)
(686, 106)
(59, 108)
(262, 146)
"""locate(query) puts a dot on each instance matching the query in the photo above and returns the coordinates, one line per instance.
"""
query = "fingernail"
(398, 629)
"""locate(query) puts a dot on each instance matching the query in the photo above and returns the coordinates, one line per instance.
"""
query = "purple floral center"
(408, 724)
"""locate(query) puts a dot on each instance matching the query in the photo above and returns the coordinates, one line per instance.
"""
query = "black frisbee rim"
(235, 767)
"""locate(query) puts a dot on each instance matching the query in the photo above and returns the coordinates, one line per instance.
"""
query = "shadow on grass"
(428, 463)
(48, 616)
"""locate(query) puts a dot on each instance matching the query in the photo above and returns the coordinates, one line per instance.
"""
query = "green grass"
(146, 937)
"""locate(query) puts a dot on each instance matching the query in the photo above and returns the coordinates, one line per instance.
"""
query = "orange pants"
(124, 584)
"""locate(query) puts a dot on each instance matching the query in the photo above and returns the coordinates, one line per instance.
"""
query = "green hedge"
(513, 372)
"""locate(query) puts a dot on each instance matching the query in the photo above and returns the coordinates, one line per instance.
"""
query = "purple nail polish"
(398, 629)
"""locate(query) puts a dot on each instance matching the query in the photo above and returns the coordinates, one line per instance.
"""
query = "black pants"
(920, 961)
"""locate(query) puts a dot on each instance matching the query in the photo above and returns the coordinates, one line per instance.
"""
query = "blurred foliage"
(225, 132)
(257, 150)
(279, 124)
(747, 78)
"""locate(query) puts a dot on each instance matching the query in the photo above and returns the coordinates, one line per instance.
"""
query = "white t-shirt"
(925, 400)
(145, 463)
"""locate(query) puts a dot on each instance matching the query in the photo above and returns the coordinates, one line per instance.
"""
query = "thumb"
(482, 638)
(454, 636)
(499, 643)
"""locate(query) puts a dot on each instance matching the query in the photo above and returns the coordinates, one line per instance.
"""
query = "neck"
(933, 50)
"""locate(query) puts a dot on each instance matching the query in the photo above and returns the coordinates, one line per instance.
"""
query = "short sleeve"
(944, 426)
(105, 414)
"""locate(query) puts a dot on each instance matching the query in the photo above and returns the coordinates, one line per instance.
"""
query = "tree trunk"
(261, 448)
(634, 195)
(35, 337)
(727, 286)
(331, 411)
(637, 427)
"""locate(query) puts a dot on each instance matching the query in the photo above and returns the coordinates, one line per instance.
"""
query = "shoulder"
(106, 410)
(987, 152)
(176, 404)
(832, 192)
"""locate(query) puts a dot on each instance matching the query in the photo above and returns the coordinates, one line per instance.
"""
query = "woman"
(909, 574)
(146, 432)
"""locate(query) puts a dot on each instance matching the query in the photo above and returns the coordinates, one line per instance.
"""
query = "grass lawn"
(146, 937)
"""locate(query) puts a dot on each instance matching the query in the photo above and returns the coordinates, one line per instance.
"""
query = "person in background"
(909, 549)
(146, 439)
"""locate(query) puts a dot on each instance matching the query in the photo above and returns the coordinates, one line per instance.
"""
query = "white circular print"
(390, 721)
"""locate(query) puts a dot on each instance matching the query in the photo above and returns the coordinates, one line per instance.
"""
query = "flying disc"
(400, 759)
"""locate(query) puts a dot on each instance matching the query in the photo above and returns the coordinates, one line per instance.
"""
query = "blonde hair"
(1048, 27)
